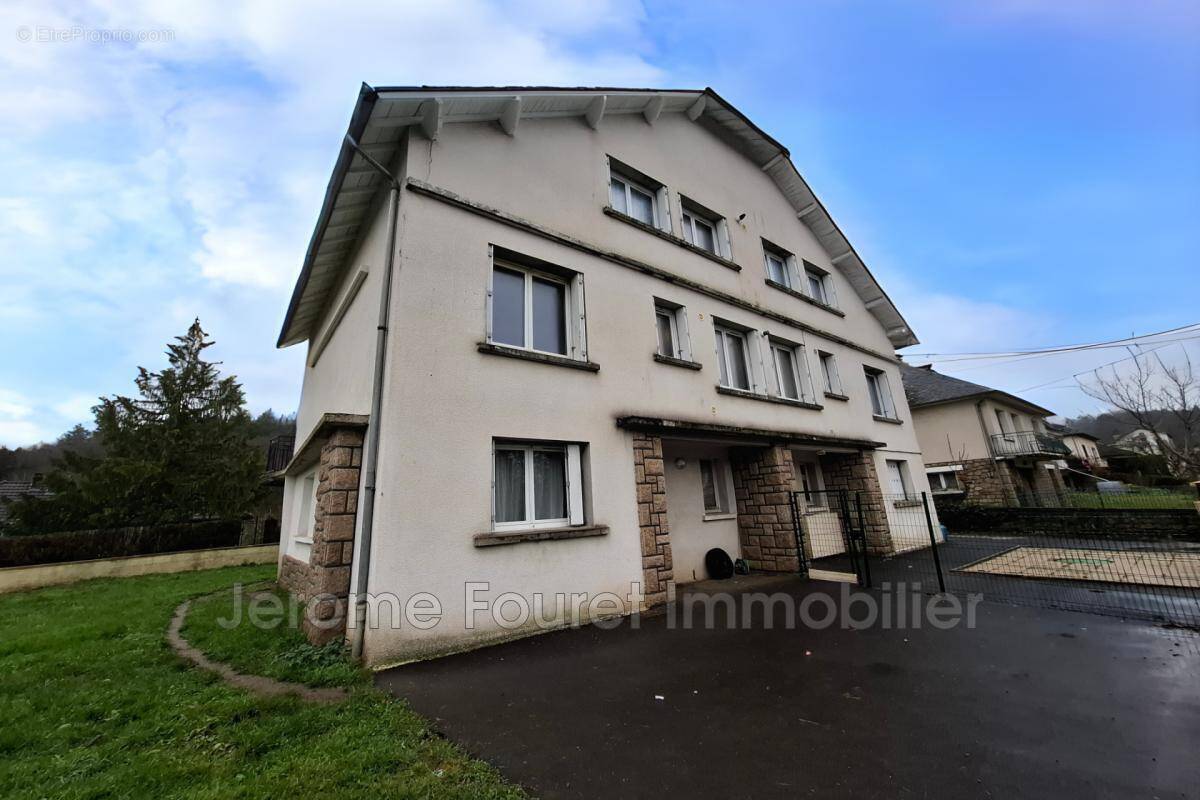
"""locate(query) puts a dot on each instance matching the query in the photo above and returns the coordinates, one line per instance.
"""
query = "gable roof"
(924, 387)
(382, 114)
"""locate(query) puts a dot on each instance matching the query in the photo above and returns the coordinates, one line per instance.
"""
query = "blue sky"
(1016, 173)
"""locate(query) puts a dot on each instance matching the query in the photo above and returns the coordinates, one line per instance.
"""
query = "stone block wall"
(324, 581)
(985, 481)
(658, 571)
(763, 478)
(855, 472)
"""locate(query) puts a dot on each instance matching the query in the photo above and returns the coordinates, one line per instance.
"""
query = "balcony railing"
(279, 452)
(1028, 443)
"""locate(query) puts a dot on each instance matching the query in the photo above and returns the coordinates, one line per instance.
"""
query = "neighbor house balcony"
(1028, 443)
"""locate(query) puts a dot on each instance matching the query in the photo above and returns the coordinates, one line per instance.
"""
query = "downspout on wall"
(371, 453)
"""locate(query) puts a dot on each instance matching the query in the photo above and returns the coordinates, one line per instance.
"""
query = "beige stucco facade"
(445, 402)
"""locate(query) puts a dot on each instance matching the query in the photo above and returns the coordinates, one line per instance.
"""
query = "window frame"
(813, 496)
(574, 318)
(906, 484)
(718, 474)
(938, 484)
(723, 333)
(572, 490)
(830, 377)
(631, 186)
(798, 358)
(688, 219)
(679, 329)
(879, 389)
(824, 281)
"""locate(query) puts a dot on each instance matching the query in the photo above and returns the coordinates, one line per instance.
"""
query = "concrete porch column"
(762, 480)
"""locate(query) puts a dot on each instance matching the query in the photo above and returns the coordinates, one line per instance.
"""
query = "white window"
(633, 199)
(536, 310)
(880, 393)
(306, 515)
(829, 373)
(819, 285)
(779, 264)
(700, 231)
(536, 485)
(670, 325)
(791, 371)
(943, 482)
(808, 475)
(714, 483)
(733, 360)
(899, 483)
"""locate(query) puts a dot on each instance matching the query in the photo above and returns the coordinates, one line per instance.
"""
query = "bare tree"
(1149, 395)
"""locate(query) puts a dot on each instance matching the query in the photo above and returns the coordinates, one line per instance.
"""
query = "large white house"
(566, 341)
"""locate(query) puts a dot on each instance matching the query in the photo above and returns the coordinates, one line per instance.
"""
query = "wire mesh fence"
(1139, 563)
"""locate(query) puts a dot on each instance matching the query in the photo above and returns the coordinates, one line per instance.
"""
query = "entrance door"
(819, 512)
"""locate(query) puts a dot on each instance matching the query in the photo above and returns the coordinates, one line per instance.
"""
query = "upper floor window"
(791, 371)
(829, 373)
(733, 359)
(637, 196)
(535, 309)
(880, 392)
(704, 228)
(819, 285)
(779, 264)
(670, 324)
(536, 485)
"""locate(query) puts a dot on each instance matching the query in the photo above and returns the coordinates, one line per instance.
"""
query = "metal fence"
(1128, 562)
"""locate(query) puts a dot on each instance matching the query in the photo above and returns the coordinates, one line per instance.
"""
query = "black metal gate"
(830, 534)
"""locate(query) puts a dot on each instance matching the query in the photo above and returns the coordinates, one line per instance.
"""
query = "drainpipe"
(371, 456)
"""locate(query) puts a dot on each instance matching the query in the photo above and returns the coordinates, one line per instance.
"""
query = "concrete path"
(1032, 703)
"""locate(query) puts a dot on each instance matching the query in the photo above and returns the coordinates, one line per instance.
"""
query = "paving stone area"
(1106, 566)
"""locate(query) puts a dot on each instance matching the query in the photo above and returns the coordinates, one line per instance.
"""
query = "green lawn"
(94, 704)
(1146, 499)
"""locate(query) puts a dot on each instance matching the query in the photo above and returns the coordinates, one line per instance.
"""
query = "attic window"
(637, 195)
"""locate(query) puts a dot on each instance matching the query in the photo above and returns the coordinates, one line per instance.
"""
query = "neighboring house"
(1085, 464)
(1145, 442)
(10, 491)
(987, 445)
(621, 328)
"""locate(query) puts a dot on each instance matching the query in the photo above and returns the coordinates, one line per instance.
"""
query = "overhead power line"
(1112, 343)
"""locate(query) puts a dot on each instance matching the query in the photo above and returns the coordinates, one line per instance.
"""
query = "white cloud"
(149, 183)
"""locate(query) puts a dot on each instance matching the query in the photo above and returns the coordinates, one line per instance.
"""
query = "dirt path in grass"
(266, 687)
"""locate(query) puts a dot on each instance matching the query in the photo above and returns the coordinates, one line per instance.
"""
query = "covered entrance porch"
(702, 486)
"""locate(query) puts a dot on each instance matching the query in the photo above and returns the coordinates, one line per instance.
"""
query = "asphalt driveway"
(1032, 702)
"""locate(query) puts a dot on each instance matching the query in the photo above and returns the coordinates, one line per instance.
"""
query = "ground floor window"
(899, 482)
(943, 482)
(808, 475)
(536, 485)
(715, 485)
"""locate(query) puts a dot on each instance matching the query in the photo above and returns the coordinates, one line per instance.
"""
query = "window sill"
(540, 358)
(672, 238)
(836, 396)
(495, 538)
(801, 296)
(303, 540)
(677, 362)
(719, 517)
(766, 398)
(889, 420)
